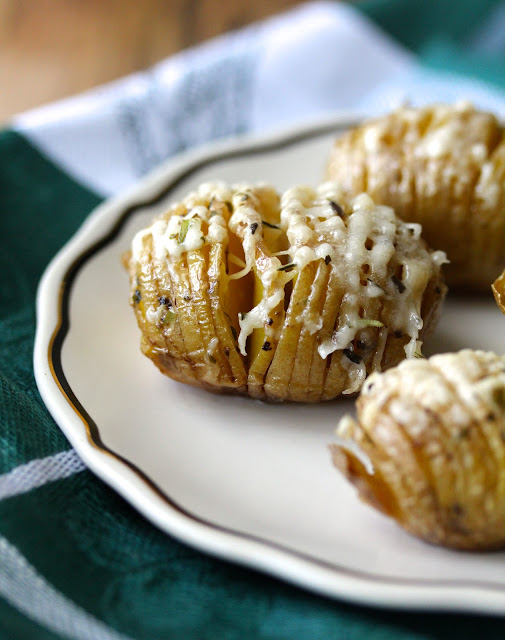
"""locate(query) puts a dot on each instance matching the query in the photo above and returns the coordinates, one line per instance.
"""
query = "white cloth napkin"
(314, 60)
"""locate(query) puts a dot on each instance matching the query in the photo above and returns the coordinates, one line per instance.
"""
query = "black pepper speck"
(353, 357)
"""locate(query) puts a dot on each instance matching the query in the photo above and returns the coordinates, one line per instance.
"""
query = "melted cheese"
(345, 427)
(371, 235)
(181, 229)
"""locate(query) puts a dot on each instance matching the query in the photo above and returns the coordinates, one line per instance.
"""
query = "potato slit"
(471, 439)
(320, 366)
(172, 354)
(223, 322)
(155, 340)
(279, 372)
(488, 197)
(216, 362)
(194, 347)
(302, 373)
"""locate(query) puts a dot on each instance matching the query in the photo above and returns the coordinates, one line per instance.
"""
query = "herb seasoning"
(287, 267)
(183, 231)
(267, 224)
(336, 208)
(168, 317)
(353, 357)
(398, 284)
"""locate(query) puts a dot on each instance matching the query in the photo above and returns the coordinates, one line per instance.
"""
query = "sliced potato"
(442, 166)
(427, 447)
(299, 298)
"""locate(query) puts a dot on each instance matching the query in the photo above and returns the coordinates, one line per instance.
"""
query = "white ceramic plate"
(234, 477)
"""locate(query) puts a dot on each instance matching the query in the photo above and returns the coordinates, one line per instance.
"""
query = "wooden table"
(54, 48)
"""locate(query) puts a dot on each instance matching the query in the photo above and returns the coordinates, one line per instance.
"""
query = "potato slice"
(277, 385)
(221, 293)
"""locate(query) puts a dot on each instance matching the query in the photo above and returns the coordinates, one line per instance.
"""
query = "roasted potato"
(428, 447)
(442, 166)
(296, 297)
(498, 288)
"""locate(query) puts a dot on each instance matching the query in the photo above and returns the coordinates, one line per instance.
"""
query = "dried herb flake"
(398, 284)
(168, 317)
(287, 267)
(164, 300)
(336, 208)
(183, 231)
(268, 224)
(353, 357)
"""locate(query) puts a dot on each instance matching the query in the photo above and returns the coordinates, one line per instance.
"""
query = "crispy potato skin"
(190, 306)
(434, 432)
(442, 166)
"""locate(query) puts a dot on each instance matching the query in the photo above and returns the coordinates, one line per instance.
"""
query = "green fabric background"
(85, 540)
(441, 33)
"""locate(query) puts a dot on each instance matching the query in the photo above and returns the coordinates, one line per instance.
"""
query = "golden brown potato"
(442, 166)
(294, 298)
(428, 447)
(498, 288)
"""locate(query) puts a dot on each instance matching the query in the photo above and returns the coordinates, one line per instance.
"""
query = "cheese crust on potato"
(294, 297)
(428, 447)
(442, 166)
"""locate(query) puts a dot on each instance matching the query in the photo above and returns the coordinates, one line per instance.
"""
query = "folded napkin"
(76, 561)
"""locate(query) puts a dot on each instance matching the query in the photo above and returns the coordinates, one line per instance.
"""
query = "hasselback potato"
(428, 447)
(298, 297)
(442, 166)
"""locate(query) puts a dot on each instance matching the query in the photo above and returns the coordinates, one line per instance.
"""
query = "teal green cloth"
(78, 536)
(415, 23)
(459, 36)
